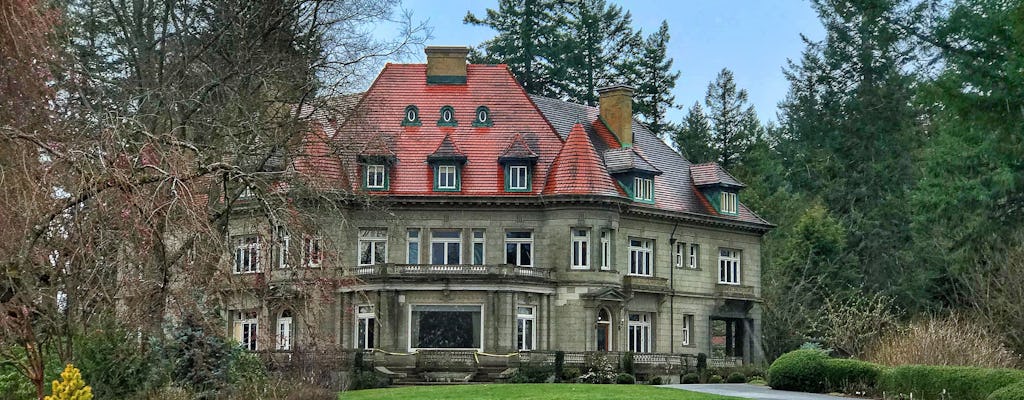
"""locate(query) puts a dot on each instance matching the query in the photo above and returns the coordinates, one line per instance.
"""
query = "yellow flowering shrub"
(70, 386)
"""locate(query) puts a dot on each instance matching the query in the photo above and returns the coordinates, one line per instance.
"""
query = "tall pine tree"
(594, 49)
(734, 122)
(652, 76)
(527, 36)
(693, 136)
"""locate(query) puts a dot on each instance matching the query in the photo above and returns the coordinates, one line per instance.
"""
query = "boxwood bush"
(1009, 392)
(850, 376)
(800, 370)
(961, 383)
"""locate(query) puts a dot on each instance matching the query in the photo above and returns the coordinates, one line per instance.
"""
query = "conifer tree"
(652, 75)
(734, 123)
(594, 49)
(693, 137)
(527, 32)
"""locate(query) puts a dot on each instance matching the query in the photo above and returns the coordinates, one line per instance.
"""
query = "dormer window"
(730, 203)
(446, 177)
(517, 178)
(412, 116)
(643, 189)
(376, 177)
(447, 117)
(483, 117)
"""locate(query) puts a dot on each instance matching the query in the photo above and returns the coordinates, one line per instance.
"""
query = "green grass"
(541, 391)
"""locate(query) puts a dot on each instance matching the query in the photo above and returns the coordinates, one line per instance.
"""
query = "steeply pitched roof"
(709, 174)
(447, 151)
(578, 169)
(517, 150)
(627, 159)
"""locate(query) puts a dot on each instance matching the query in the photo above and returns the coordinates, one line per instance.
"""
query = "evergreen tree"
(652, 75)
(594, 49)
(734, 123)
(527, 35)
(693, 137)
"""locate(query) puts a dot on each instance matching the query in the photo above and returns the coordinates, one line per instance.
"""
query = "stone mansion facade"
(494, 221)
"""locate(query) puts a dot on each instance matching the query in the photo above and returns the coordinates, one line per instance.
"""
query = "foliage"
(368, 380)
(561, 391)
(691, 377)
(199, 360)
(627, 362)
(702, 361)
(1013, 391)
(600, 370)
(851, 376)
(532, 374)
(70, 386)
(734, 123)
(625, 379)
(559, 364)
(571, 374)
(715, 379)
(656, 381)
(800, 370)
(525, 40)
(116, 363)
(953, 340)
(736, 377)
(651, 73)
(933, 382)
(693, 137)
(850, 325)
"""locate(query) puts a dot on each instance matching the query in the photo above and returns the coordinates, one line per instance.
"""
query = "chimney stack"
(446, 64)
(616, 108)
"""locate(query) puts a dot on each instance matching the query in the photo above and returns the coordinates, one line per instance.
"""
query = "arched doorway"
(604, 330)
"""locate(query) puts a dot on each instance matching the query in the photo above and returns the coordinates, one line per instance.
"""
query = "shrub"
(559, 364)
(114, 362)
(570, 374)
(532, 374)
(800, 370)
(702, 361)
(197, 360)
(851, 376)
(625, 379)
(1009, 392)
(715, 379)
(367, 380)
(961, 383)
(954, 340)
(656, 381)
(736, 377)
(601, 370)
(758, 381)
(690, 378)
(70, 386)
(627, 363)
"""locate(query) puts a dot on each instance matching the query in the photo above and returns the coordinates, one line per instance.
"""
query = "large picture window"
(519, 248)
(729, 266)
(580, 248)
(373, 246)
(446, 327)
(639, 332)
(526, 328)
(641, 254)
(446, 247)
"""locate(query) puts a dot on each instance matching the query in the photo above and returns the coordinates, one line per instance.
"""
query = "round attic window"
(446, 115)
(481, 115)
(411, 114)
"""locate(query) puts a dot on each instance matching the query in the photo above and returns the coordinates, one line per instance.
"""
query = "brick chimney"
(616, 107)
(446, 64)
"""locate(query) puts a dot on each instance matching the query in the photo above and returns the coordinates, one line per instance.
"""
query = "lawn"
(531, 392)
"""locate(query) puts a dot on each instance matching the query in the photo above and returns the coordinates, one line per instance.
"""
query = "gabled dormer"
(718, 186)
(518, 161)
(446, 164)
(634, 173)
(375, 162)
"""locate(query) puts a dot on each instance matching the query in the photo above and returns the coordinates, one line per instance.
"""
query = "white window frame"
(479, 241)
(679, 254)
(283, 241)
(444, 242)
(447, 177)
(641, 257)
(730, 203)
(687, 330)
(365, 327)
(606, 250)
(729, 266)
(376, 176)
(526, 328)
(246, 329)
(312, 251)
(694, 256)
(639, 331)
(372, 237)
(413, 238)
(518, 243)
(284, 331)
(247, 254)
(518, 177)
(579, 257)
(643, 188)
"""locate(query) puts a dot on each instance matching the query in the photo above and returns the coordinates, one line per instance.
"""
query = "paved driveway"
(754, 392)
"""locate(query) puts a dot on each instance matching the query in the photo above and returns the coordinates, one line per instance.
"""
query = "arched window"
(284, 330)
(604, 330)
(447, 117)
(482, 117)
(412, 116)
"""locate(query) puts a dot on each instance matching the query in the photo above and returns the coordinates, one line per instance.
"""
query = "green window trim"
(447, 117)
(717, 196)
(376, 168)
(482, 117)
(457, 178)
(510, 177)
(414, 112)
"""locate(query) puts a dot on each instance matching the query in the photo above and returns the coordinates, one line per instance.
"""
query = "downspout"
(672, 290)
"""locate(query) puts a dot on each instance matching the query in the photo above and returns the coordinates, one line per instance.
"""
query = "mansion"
(494, 221)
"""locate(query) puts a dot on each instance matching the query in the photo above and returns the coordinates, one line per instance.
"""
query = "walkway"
(754, 392)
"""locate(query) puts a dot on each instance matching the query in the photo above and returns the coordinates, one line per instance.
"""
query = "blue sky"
(753, 38)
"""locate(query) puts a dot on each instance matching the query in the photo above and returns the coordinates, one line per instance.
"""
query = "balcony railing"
(645, 284)
(735, 292)
(456, 271)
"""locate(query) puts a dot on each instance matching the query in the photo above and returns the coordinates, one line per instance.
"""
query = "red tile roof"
(579, 170)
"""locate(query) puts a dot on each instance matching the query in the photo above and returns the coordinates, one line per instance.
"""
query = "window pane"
(414, 253)
(478, 253)
(510, 253)
(524, 254)
(518, 234)
(453, 253)
(437, 253)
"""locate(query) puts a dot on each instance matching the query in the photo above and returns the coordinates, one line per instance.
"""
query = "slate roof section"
(674, 190)
(627, 159)
(579, 170)
(517, 150)
(447, 151)
(710, 174)
(377, 147)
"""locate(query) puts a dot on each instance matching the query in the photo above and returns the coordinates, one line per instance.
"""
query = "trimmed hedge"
(961, 383)
(1009, 392)
(800, 370)
(849, 376)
